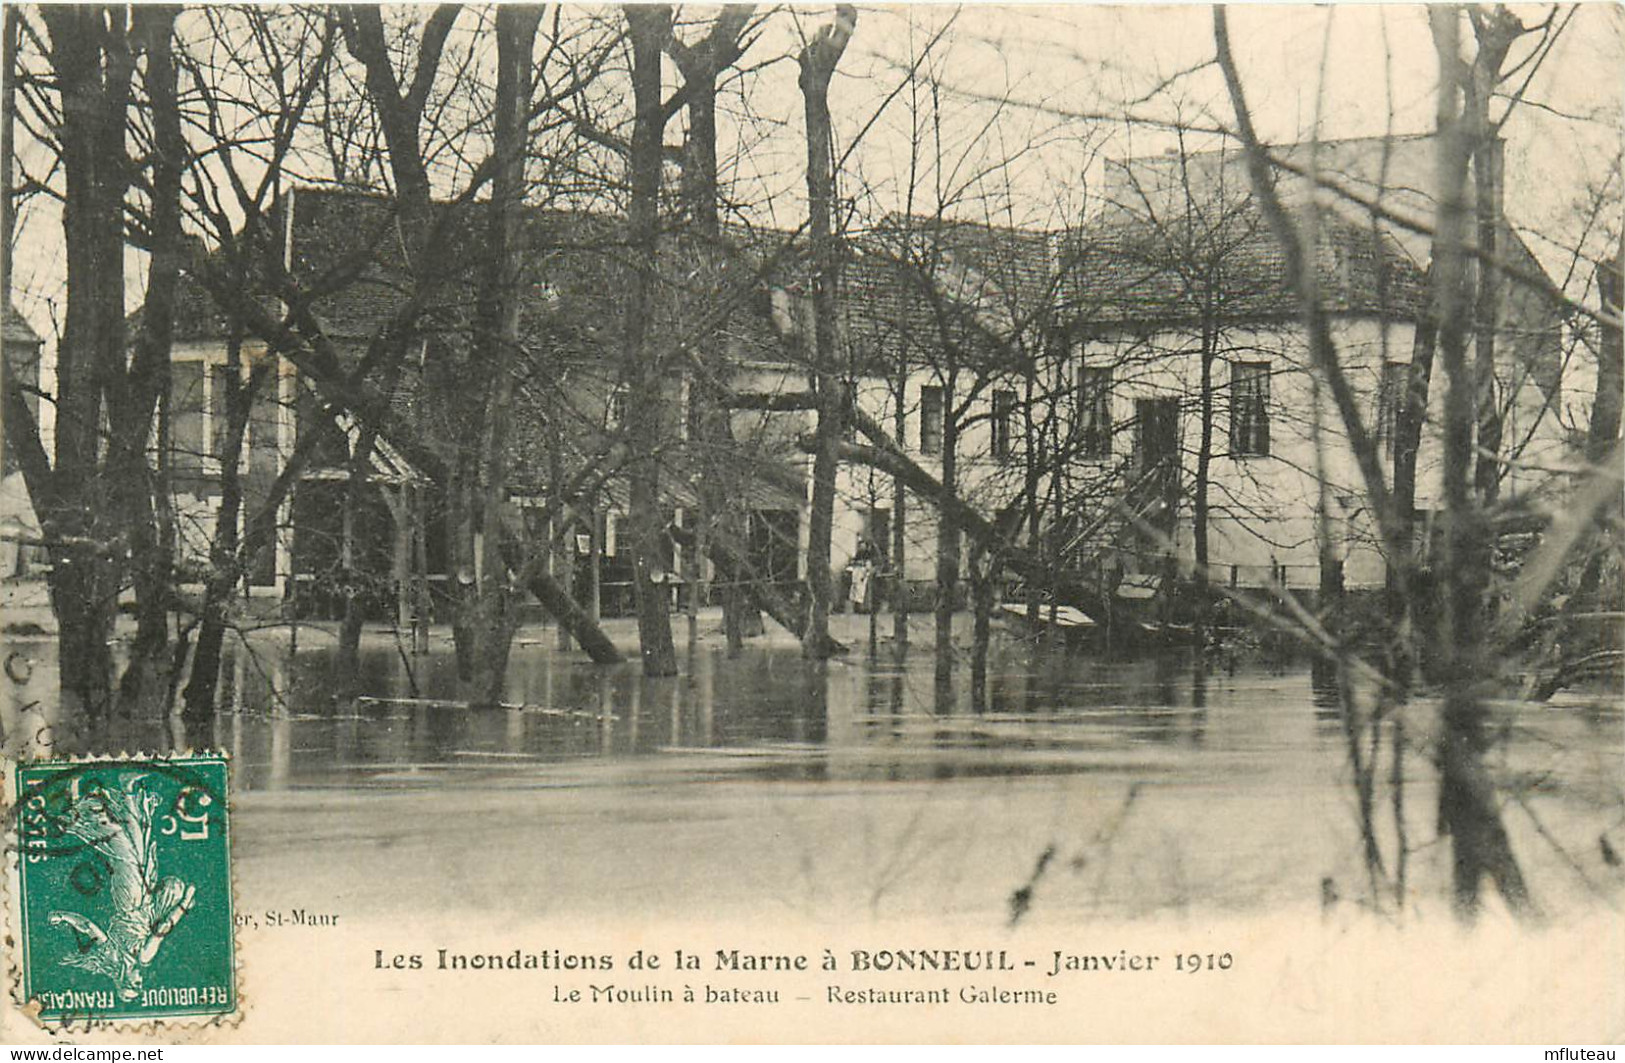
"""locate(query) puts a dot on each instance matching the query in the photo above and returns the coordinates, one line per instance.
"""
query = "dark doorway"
(1156, 444)
(1157, 435)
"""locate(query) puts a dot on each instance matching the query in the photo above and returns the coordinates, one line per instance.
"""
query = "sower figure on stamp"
(118, 827)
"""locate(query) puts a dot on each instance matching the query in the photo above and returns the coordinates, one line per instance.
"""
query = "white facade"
(1263, 524)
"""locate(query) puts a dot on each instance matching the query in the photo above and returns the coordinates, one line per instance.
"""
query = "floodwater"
(1167, 783)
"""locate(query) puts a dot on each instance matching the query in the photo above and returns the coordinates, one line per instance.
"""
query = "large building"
(1093, 389)
(1150, 369)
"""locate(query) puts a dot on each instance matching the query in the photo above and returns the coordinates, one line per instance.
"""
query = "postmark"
(121, 889)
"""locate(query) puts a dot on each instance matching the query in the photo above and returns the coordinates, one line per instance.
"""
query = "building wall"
(1262, 508)
(196, 418)
(1262, 521)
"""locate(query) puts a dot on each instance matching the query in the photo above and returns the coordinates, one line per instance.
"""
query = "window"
(932, 412)
(1249, 409)
(617, 407)
(258, 446)
(1095, 411)
(1390, 396)
(1004, 413)
(219, 412)
(264, 423)
(186, 415)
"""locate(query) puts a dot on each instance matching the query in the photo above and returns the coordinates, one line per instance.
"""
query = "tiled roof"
(577, 267)
(909, 282)
(1128, 271)
(911, 287)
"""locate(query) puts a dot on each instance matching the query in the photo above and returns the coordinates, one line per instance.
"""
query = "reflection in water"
(767, 714)
(282, 727)
(1327, 698)
(1157, 779)
(1199, 667)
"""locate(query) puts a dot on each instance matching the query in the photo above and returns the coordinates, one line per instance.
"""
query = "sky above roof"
(1018, 108)
(1063, 77)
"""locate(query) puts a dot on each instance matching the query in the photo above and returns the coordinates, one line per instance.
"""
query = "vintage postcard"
(836, 523)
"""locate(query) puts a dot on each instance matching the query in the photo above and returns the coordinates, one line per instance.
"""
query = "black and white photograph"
(813, 523)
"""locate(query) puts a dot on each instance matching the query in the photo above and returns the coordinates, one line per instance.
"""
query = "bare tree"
(1469, 808)
(648, 28)
(465, 462)
(279, 100)
(487, 608)
(701, 64)
(818, 60)
(1467, 805)
(96, 498)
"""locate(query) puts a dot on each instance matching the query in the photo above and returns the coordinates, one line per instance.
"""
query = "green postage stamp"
(121, 889)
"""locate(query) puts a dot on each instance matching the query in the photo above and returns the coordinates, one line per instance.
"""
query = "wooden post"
(549, 549)
(420, 573)
(595, 555)
(347, 542)
(564, 550)
(606, 709)
(874, 609)
(401, 511)
(690, 572)
(699, 591)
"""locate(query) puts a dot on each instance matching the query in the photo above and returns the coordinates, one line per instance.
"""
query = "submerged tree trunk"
(818, 61)
(723, 511)
(225, 569)
(1467, 802)
(899, 558)
(581, 623)
(648, 26)
(82, 531)
(489, 612)
(141, 493)
(984, 586)
(948, 545)
(1199, 501)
